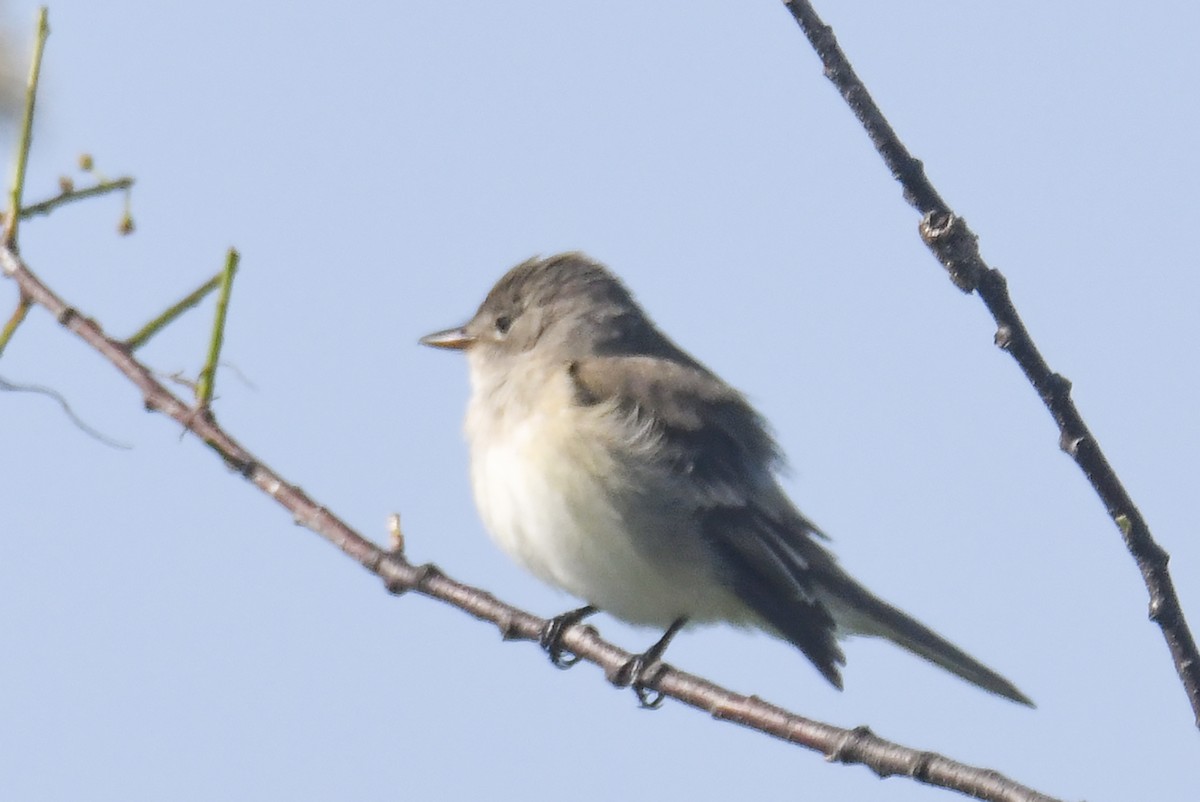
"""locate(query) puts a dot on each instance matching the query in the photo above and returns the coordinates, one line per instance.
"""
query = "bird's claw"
(550, 637)
(637, 673)
(551, 640)
(646, 668)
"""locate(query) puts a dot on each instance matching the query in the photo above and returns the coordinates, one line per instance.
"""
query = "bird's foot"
(642, 671)
(550, 638)
(639, 673)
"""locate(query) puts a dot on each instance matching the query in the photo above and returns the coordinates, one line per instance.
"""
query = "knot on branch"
(244, 467)
(849, 747)
(1157, 607)
(955, 246)
(510, 628)
(1070, 444)
(1004, 336)
(1057, 388)
(399, 577)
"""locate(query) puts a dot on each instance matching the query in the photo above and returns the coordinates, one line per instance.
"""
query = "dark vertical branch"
(956, 247)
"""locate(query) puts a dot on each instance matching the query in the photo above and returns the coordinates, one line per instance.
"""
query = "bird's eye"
(503, 324)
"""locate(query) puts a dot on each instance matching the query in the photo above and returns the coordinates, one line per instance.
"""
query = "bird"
(611, 464)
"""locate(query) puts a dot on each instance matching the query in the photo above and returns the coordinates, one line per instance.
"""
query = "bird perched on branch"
(613, 465)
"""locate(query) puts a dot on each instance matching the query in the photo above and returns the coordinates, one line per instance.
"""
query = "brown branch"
(956, 247)
(857, 746)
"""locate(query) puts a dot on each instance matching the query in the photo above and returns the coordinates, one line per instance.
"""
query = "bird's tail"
(860, 612)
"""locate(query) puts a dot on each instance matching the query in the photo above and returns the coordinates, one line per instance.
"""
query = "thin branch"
(26, 137)
(37, 389)
(208, 374)
(173, 311)
(71, 195)
(956, 247)
(14, 320)
(856, 746)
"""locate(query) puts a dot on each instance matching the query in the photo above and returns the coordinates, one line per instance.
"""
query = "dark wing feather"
(769, 571)
(711, 435)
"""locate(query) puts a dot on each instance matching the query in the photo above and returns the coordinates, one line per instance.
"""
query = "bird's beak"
(452, 339)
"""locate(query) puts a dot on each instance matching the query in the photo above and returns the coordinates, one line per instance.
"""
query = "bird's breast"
(571, 492)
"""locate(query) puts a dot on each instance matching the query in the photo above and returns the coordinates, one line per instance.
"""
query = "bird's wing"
(707, 430)
(709, 434)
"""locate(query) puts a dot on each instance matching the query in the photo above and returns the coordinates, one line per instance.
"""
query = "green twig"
(63, 198)
(18, 315)
(18, 186)
(175, 310)
(204, 387)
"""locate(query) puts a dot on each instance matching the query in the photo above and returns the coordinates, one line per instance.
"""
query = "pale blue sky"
(169, 634)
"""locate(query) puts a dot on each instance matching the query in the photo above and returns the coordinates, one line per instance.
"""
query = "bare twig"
(208, 374)
(37, 389)
(14, 320)
(26, 137)
(71, 195)
(857, 746)
(956, 247)
(173, 311)
(395, 535)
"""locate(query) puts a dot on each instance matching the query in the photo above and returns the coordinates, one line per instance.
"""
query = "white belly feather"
(548, 488)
